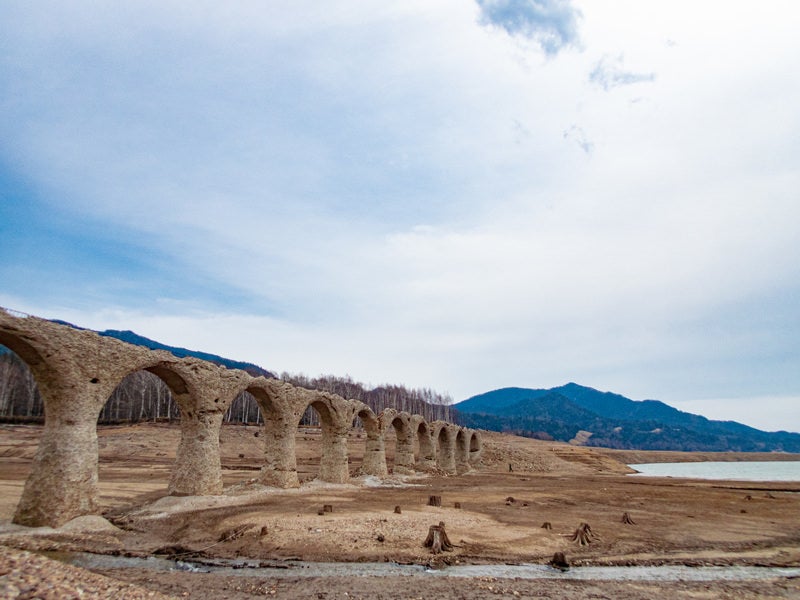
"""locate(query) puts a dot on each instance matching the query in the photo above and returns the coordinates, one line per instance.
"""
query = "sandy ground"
(499, 520)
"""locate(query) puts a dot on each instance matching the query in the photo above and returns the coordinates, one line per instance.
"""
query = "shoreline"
(492, 516)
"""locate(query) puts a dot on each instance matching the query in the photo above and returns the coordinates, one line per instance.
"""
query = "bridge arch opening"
(323, 453)
(365, 448)
(475, 447)
(399, 438)
(20, 399)
(462, 451)
(444, 449)
(424, 452)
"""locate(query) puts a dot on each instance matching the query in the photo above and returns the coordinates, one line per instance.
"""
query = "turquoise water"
(741, 471)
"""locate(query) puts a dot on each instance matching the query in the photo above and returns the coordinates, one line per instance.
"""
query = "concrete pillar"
(427, 453)
(198, 471)
(333, 466)
(62, 484)
(445, 450)
(375, 457)
(404, 452)
(280, 458)
(462, 452)
(475, 448)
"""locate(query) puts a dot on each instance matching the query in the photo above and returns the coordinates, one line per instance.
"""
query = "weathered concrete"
(426, 460)
(374, 461)
(444, 436)
(404, 444)
(462, 452)
(77, 370)
(475, 447)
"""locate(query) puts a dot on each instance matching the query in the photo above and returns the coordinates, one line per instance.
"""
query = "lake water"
(741, 471)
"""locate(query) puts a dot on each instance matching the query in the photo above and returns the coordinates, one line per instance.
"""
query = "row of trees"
(142, 396)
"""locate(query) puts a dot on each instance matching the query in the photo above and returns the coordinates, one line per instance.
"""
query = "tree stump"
(559, 561)
(397, 510)
(437, 539)
(584, 535)
(626, 518)
(434, 500)
(547, 525)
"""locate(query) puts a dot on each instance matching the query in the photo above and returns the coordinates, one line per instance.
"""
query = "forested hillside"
(588, 416)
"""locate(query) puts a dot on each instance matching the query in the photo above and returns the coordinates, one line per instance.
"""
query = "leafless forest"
(142, 396)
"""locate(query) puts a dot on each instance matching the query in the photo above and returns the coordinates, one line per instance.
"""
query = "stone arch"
(462, 451)
(475, 447)
(335, 420)
(27, 351)
(400, 424)
(445, 447)
(374, 460)
(425, 451)
(275, 401)
(195, 388)
(63, 480)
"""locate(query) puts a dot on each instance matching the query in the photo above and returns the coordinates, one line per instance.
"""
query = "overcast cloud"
(447, 194)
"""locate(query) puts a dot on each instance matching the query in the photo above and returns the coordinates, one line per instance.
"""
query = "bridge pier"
(197, 470)
(375, 457)
(280, 460)
(333, 466)
(404, 454)
(427, 453)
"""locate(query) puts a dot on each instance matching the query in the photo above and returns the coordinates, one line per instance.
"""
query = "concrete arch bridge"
(77, 370)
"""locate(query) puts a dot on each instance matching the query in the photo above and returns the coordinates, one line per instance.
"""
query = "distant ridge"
(139, 340)
(614, 421)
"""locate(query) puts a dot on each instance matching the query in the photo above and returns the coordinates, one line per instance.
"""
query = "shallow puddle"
(293, 569)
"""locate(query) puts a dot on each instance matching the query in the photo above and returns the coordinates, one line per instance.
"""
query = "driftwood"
(547, 525)
(434, 500)
(559, 561)
(437, 539)
(626, 518)
(584, 535)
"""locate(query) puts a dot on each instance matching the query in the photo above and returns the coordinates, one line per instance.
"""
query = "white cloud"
(609, 72)
(553, 24)
(400, 194)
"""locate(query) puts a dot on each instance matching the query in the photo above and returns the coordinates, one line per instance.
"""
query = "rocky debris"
(26, 575)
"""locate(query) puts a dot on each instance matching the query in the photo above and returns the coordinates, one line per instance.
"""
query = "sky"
(462, 195)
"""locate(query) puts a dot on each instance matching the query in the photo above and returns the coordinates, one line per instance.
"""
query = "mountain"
(614, 421)
(139, 340)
